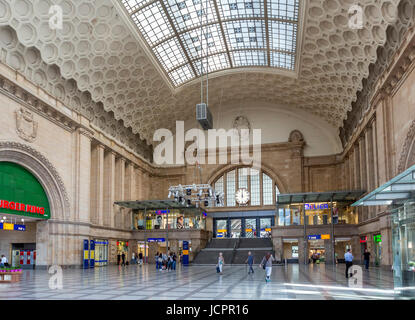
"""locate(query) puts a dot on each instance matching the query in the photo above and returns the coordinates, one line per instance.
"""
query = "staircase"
(235, 251)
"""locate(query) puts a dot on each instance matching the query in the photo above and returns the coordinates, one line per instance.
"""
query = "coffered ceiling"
(103, 53)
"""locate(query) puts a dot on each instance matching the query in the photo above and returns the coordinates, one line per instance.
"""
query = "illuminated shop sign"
(363, 239)
(12, 227)
(319, 237)
(162, 211)
(377, 238)
(316, 206)
(21, 207)
(156, 240)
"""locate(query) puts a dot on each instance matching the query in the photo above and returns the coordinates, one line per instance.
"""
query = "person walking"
(348, 257)
(266, 263)
(250, 261)
(160, 260)
(140, 258)
(133, 260)
(118, 259)
(174, 260)
(366, 258)
(157, 260)
(221, 262)
(123, 258)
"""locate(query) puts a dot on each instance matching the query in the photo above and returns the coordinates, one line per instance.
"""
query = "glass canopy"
(187, 35)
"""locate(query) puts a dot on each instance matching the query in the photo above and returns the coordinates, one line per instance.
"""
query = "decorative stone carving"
(26, 126)
(407, 156)
(242, 122)
(296, 136)
(394, 38)
(97, 65)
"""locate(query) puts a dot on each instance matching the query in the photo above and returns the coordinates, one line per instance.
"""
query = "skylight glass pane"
(245, 34)
(246, 58)
(243, 178)
(181, 75)
(219, 188)
(283, 9)
(170, 54)
(216, 62)
(212, 41)
(189, 13)
(132, 5)
(255, 187)
(152, 23)
(283, 36)
(282, 60)
(240, 8)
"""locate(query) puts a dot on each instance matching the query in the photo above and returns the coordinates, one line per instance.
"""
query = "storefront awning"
(153, 205)
(341, 196)
(396, 191)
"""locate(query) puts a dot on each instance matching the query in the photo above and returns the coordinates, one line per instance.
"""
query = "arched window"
(263, 190)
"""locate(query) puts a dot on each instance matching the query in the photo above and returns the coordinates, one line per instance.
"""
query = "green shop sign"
(377, 238)
(21, 193)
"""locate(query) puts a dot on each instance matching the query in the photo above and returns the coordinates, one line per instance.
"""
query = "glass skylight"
(234, 34)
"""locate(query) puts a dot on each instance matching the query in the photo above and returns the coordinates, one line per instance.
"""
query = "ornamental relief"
(26, 126)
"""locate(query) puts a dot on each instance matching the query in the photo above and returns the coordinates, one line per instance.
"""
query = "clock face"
(242, 196)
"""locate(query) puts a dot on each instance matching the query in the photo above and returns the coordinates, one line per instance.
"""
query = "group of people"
(137, 259)
(165, 261)
(266, 264)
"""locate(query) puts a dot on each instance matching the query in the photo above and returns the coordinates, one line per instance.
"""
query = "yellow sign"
(185, 252)
(92, 254)
(325, 236)
(8, 226)
(267, 229)
(248, 230)
(86, 255)
(222, 230)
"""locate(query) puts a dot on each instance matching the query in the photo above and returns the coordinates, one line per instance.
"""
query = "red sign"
(21, 207)
(363, 239)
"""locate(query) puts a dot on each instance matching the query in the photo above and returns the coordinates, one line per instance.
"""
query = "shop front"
(23, 202)
(242, 224)
(101, 252)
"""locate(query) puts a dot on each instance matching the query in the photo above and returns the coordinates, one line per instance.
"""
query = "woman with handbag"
(266, 264)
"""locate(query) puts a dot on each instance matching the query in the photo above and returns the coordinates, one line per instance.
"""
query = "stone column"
(278, 248)
(119, 191)
(328, 245)
(129, 192)
(97, 185)
(370, 165)
(302, 250)
(109, 188)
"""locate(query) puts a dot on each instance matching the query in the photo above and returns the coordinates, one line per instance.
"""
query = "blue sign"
(314, 237)
(316, 206)
(92, 254)
(19, 227)
(185, 253)
(156, 240)
(86, 254)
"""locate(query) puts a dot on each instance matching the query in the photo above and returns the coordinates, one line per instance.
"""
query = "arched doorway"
(43, 201)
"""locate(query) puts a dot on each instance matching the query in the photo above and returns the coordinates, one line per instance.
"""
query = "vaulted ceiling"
(100, 57)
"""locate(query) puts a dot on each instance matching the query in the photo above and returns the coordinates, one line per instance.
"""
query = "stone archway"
(37, 164)
(407, 156)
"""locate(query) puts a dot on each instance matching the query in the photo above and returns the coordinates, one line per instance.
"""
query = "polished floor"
(316, 282)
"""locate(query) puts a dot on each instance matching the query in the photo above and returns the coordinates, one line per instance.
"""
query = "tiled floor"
(201, 282)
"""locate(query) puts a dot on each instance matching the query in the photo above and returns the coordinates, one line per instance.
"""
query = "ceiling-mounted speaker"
(204, 116)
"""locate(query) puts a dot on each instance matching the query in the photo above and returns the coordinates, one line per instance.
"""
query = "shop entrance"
(317, 251)
(250, 228)
(236, 228)
(143, 249)
(24, 254)
(101, 253)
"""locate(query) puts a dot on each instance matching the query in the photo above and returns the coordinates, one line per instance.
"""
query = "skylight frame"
(277, 35)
